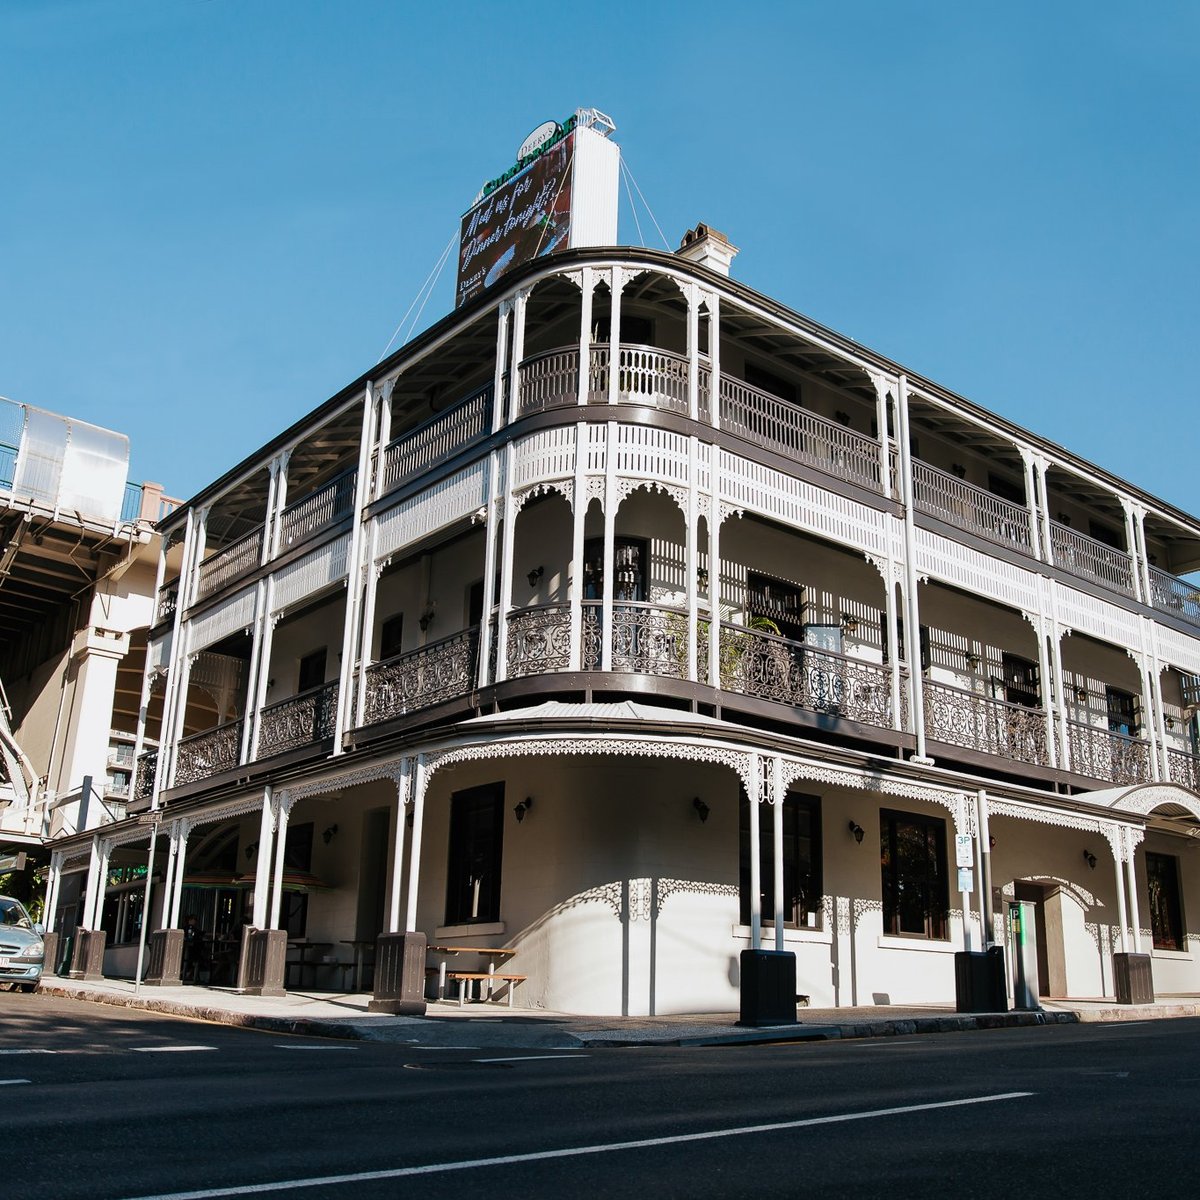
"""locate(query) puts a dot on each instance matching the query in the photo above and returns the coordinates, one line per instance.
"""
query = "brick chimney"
(709, 247)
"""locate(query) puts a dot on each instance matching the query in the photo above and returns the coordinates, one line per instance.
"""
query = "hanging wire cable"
(632, 206)
(430, 283)
(657, 226)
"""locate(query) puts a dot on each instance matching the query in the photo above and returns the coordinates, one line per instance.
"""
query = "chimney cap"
(701, 232)
(709, 247)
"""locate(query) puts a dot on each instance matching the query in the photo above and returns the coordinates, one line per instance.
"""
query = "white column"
(175, 668)
(578, 518)
(755, 853)
(97, 883)
(264, 666)
(1134, 548)
(366, 646)
(1056, 636)
(881, 385)
(250, 719)
(610, 526)
(614, 338)
(275, 528)
(148, 674)
(53, 881)
(1052, 686)
(714, 358)
(714, 577)
(402, 785)
(585, 336)
(891, 634)
(518, 353)
(960, 826)
(983, 861)
(1135, 919)
(489, 569)
(414, 854)
(168, 752)
(503, 319)
(693, 351)
(1031, 502)
(1044, 505)
(185, 830)
(913, 613)
(1117, 841)
(354, 580)
(508, 533)
(283, 811)
(777, 839)
(692, 558)
(1139, 528)
(379, 482)
(262, 869)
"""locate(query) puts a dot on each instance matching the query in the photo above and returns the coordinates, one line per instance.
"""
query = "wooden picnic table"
(491, 953)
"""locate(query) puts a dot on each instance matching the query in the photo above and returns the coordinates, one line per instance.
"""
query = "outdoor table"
(491, 953)
(304, 948)
(360, 946)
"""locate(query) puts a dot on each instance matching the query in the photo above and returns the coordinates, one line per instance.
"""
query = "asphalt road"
(111, 1104)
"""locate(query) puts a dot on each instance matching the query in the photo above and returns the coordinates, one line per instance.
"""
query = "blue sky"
(214, 213)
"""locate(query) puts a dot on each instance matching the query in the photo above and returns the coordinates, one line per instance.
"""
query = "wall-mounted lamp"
(702, 809)
(1170, 721)
(702, 577)
(991, 842)
(857, 830)
(409, 819)
(535, 575)
(972, 659)
(330, 834)
(522, 808)
(1090, 859)
(426, 618)
(1081, 695)
(849, 623)
(250, 849)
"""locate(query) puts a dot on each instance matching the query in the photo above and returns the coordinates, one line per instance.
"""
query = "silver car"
(22, 951)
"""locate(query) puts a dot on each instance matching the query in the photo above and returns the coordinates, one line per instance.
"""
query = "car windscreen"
(11, 913)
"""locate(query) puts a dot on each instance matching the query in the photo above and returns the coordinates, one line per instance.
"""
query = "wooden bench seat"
(466, 978)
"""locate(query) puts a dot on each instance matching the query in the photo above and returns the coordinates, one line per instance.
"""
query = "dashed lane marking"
(295, 1046)
(4, 1082)
(29, 1051)
(470, 1164)
(168, 1049)
(530, 1058)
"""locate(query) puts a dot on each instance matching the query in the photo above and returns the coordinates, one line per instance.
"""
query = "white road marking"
(28, 1051)
(3, 1082)
(294, 1046)
(529, 1058)
(873, 1045)
(168, 1049)
(446, 1047)
(285, 1185)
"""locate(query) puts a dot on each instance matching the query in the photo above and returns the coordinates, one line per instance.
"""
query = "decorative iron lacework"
(1109, 830)
(372, 773)
(1146, 799)
(626, 487)
(738, 761)
(565, 487)
(961, 811)
(122, 837)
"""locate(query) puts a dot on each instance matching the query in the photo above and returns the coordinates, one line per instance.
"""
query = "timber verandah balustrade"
(647, 375)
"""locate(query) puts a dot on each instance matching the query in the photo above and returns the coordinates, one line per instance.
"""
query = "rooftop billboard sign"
(522, 215)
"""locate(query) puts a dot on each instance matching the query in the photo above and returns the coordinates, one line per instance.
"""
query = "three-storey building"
(626, 619)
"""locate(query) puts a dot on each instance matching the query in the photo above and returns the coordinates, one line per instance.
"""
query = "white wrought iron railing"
(319, 509)
(1085, 555)
(229, 563)
(986, 724)
(1176, 596)
(438, 439)
(969, 507)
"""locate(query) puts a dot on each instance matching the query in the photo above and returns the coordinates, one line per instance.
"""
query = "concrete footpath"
(339, 1015)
